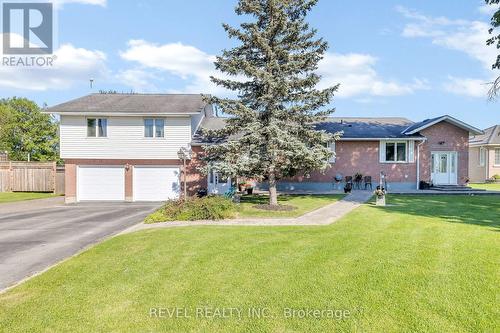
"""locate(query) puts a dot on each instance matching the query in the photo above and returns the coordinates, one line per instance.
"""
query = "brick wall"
(445, 137)
(363, 157)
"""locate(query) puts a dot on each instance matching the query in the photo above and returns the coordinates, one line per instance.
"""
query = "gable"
(418, 127)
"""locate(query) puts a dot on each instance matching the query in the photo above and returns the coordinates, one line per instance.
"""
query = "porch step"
(458, 188)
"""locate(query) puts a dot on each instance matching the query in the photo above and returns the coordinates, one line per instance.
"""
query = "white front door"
(155, 183)
(100, 183)
(217, 184)
(444, 168)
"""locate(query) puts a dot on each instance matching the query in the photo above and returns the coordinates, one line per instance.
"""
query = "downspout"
(486, 163)
(418, 163)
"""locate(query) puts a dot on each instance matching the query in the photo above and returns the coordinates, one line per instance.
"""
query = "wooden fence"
(31, 177)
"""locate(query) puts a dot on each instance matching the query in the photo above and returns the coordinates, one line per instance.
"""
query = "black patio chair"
(368, 182)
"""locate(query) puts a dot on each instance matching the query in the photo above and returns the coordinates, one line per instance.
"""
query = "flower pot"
(380, 200)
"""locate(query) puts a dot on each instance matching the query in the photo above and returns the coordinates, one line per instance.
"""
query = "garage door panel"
(101, 183)
(155, 183)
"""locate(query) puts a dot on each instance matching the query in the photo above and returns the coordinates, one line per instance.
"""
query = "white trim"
(380, 139)
(332, 147)
(482, 156)
(484, 145)
(495, 157)
(451, 120)
(411, 151)
(344, 139)
(383, 149)
(123, 114)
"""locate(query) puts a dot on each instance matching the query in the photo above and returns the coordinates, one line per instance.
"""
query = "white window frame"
(154, 128)
(96, 127)
(482, 156)
(497, 155)
(383, 150)
(332, 146)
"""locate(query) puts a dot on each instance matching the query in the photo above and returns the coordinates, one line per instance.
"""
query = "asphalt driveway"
(37, 234)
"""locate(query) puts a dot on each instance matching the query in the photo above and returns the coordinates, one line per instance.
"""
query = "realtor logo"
(27, 28)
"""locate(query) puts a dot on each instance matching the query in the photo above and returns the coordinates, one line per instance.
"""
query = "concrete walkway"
(322, 216)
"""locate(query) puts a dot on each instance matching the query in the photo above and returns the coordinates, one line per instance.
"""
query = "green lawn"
(304, 204)
(423, 264)
(21, 196)
(489, 187)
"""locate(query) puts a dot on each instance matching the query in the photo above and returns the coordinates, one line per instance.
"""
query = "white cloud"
(467, 86)
(464, 36)
(183, 61)
(357, 76)
(467, 37)
(72, 66)
(355, 72)
(140, 80)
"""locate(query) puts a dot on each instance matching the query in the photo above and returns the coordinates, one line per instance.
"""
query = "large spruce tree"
(270, 132)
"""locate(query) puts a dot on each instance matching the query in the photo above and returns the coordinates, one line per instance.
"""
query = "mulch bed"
(279, 208)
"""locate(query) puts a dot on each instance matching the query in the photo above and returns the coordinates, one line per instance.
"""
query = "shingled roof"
(132, 104)
(368, 128)
(491, 136)
(352, 128)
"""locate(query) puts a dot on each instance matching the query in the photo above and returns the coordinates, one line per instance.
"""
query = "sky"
(392, 58)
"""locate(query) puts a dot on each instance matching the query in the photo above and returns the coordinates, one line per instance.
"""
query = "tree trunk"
(273, 194)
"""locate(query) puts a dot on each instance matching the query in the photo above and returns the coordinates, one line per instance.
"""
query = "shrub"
(496, 177)
(206, 208)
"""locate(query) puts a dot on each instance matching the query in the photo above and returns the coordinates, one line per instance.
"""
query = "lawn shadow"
(479, 210)
(260, 199)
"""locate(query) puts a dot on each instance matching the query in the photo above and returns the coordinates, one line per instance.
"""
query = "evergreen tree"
(270, 132)
(495, 40)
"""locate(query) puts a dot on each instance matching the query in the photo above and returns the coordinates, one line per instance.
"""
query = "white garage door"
(101, 183)
(152, 183)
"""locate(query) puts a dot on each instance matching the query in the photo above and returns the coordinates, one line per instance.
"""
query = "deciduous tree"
(26, 132)
(495, 40)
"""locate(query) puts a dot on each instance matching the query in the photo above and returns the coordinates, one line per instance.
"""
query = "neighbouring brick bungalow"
(484, 155)
(125, 147)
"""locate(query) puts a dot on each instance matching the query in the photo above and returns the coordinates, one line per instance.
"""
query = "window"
(497, 156)
(154, 128)
(482, 156)
(159, 128)
(394, 151)
(331, 146)
(97, 127)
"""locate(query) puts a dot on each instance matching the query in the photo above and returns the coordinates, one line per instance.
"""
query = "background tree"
(495, 40)
(270, 130)
(25, 132)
